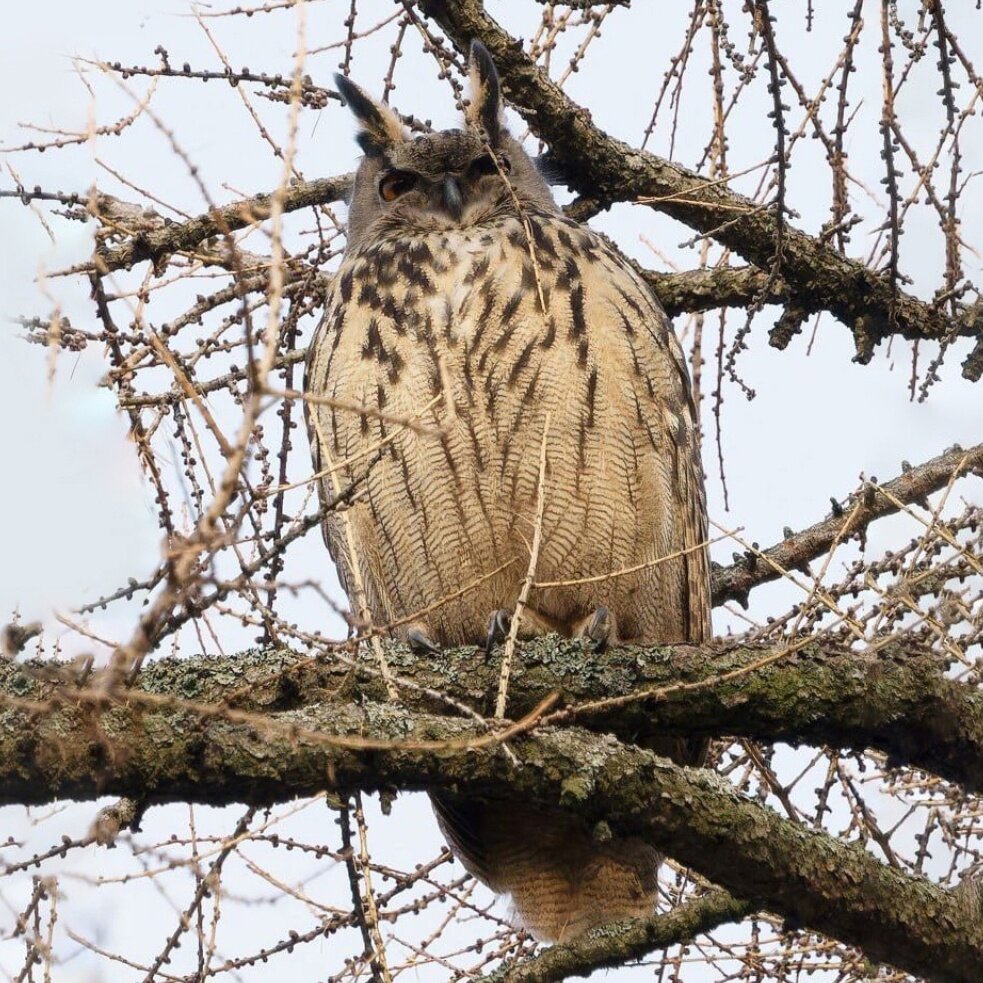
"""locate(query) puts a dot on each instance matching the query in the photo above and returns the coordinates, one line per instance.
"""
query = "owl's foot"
(533, 624)
(420, 642)
(598, 630)
(499, 623)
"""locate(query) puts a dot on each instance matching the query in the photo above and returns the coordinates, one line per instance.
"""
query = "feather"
(381, 128)
(484, 111)
(481, 326)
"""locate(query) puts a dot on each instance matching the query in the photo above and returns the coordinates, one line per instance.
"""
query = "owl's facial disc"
(455, 196)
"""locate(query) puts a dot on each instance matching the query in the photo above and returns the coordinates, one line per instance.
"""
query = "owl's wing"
(660, 364)
(692, 502)
(688, 486)
(315, 381)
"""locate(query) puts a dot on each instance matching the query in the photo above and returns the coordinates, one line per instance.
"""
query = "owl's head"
(449, 180)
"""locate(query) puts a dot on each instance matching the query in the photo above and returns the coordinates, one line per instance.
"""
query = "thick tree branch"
(168, 752)
(692, 291)
(601, 167)
(896, 700)
(154, 239)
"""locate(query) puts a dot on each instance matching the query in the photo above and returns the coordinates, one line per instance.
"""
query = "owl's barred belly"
(462, 345)
(464, 533)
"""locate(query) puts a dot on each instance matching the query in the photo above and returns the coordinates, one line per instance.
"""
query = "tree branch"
(706, 289)
(168, 751)
(912, 486)
(615, 944)
(154, 239)
(601, 167)
(896, 700)
(171, 237)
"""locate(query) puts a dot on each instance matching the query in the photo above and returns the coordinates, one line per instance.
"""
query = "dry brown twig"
(203, 311)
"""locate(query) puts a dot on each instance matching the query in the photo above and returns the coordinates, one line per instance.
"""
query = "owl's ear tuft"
(381, 129)
(484, 111)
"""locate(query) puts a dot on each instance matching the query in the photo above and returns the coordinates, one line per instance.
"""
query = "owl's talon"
(499, 623)
(420, 642)
(598, 630)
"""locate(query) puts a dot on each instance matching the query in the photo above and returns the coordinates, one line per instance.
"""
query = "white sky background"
(76, 515)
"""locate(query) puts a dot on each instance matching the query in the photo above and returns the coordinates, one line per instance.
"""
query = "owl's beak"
(453, 200)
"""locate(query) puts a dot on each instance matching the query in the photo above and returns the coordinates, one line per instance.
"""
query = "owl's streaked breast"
(485, 337)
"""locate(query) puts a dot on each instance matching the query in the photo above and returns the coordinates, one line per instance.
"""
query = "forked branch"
(83, 749)
(601, 167)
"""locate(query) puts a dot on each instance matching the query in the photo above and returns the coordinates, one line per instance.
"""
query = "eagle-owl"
(467, 302)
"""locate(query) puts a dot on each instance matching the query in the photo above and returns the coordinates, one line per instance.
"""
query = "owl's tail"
(563, 880)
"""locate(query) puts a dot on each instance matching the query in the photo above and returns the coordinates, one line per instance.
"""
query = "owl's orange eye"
(395, 184)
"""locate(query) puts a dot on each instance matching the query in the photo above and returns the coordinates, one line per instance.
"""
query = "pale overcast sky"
(76, 516)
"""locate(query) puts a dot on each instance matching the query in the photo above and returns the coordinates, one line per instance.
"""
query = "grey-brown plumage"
(467, 302)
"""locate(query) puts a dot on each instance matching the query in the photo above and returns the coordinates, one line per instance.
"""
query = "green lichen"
(575, 789)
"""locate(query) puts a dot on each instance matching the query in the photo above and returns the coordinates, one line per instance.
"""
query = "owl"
(482, 330)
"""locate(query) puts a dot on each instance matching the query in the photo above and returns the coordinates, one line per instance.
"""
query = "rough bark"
(606, 169)
(166, 750)
(896, 700)
(198, 728)
(692, 291)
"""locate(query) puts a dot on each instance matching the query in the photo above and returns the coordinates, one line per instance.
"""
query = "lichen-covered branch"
(896, 699)
(167, 751)
(692, 291)
(606, 169)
